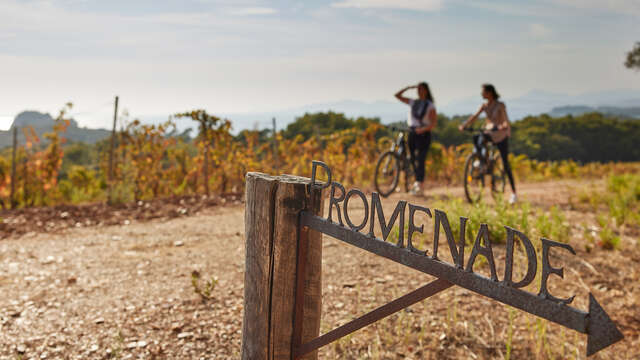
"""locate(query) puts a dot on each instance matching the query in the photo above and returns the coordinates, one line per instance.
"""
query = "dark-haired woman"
(496, 129)
(422, 119)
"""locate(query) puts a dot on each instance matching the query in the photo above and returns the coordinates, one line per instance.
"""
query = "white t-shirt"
(415, 122)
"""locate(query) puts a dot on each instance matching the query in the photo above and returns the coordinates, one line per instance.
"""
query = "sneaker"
(513, 199)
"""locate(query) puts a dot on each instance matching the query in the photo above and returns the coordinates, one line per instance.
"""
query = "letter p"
(315, 185)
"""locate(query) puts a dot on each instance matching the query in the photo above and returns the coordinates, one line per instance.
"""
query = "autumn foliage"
(151, 162)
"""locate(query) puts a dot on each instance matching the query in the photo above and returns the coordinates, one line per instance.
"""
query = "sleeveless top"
(496, 117)
(419, 113)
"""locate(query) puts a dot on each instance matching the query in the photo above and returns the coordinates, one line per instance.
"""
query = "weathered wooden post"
(279, 254)
(111, 151)
(13, 167)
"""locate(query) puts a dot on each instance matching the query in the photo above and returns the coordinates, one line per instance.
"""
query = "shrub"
(552, 225)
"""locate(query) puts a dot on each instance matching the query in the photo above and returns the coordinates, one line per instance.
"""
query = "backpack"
(419, 108)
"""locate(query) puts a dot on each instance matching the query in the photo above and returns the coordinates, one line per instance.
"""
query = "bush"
(495, 216)
(552, 225)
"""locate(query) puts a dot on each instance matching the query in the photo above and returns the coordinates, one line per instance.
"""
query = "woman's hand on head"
(461, 127)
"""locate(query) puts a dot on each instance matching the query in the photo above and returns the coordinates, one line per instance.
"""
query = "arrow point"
(601, 329)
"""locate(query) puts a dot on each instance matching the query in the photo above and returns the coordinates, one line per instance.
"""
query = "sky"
(241, 56)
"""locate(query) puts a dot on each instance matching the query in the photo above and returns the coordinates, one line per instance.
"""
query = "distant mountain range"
(631, 112)
(538, 102)
(535, 102)
(614, 102)
(43, 123)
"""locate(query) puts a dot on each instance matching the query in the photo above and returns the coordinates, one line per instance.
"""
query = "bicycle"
(477, 167)
(391, 163)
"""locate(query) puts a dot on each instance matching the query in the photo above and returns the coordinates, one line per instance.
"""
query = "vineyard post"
(205, 168)
(13, 167)
(25, 180)
(123, 156)
(275, 144)
(280, 256)
(113, 143)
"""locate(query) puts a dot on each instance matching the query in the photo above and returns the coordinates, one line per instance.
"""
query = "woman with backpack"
(421, 120)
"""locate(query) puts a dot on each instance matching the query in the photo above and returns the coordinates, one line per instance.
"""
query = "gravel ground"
(126, 292)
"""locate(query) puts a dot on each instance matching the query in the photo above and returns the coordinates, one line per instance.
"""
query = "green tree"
(264, 135)
(585, 138)
(78, 153)
(633, 57)
(321, 123)
(447, 133)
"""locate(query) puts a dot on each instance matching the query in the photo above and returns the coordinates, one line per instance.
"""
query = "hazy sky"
(165, 56)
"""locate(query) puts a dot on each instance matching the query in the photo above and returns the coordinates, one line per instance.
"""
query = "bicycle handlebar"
(397, 128)
(480, 130)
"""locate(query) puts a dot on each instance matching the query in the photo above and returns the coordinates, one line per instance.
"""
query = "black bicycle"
(393, 162)
(480, 166)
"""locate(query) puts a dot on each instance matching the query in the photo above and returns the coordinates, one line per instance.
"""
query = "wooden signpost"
(283, 226)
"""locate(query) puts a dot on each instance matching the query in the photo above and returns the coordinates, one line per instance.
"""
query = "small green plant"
(553, 225)
(624, 198)
(541, 330)
(589, 234)
(563, 347)
(205, 292)
(451, 316)
(516, 216)
(117, 347)
(608, 239)
(512, 314)
(496, 216)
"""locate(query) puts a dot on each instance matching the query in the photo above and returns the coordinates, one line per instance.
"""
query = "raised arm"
(400, 97)
(472, 118)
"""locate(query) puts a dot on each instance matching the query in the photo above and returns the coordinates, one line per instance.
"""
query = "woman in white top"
(496, 129)
(422, 119)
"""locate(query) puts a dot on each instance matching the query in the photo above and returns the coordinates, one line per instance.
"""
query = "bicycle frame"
(399, 157)
(398, 143)
(490, 162)
(401, 147)
(488, 147)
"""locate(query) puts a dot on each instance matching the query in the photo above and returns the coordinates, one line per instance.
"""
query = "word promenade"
(601, 331)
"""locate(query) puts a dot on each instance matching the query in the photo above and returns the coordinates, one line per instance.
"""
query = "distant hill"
(386, 111)
(533, 103)
(43, 123)
(631, 112)
(537, 102)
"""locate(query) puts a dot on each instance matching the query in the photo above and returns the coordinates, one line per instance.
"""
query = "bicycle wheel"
(387, 173)
(473, 178)
(498, 181)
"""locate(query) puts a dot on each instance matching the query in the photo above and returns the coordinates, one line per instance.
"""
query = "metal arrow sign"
(600, 329)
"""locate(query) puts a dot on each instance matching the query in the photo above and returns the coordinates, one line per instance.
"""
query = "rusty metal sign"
(600, 329)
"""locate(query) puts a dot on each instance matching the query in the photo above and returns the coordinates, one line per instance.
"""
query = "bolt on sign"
(600, 329)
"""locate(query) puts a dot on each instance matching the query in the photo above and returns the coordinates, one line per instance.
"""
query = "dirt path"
(116, 291)
(126, 291)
